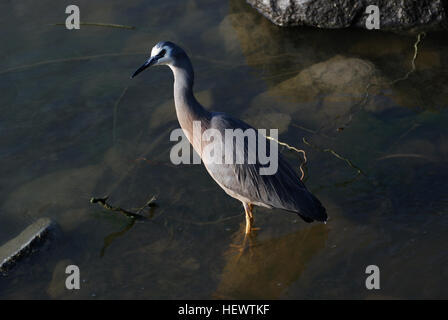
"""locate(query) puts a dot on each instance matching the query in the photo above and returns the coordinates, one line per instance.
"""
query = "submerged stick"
(404, 155)
(99, 24)
(130, 214)
(420, 36)
(114, 134)
(149, 204)
(366, 94)
(302, 165)
(337, 155)
(72, 59)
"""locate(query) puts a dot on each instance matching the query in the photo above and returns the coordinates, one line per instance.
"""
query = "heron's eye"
(161, 53)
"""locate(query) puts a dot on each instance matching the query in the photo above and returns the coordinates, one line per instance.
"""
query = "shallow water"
(74, 126)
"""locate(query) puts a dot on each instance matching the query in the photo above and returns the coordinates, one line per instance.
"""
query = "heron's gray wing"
(283, 189)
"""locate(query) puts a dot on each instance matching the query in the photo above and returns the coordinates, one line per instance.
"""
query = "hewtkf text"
(245, 309)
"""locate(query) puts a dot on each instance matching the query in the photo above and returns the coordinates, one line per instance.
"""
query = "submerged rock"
(24, 243)
(323, 92)
(395, 15)
(263, 45)
(274, 120)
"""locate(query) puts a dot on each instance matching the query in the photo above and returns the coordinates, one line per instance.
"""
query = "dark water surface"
(74, 126)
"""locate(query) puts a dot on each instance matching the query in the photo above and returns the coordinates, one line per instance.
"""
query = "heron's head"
(163, 53)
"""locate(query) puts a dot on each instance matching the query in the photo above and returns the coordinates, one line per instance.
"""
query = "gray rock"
(24, 243)
(395, 14)
(323, 92)
(270, 120)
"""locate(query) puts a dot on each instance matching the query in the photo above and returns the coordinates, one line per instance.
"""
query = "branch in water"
(98, 24)
(135, 215)
(302, 165)
(83, 58)
(114, 135)
(336, 155)
(420, 36)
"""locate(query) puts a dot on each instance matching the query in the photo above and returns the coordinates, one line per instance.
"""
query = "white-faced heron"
(283, 189)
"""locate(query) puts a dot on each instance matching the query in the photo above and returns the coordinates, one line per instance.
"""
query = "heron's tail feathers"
(314, 211)
(320, 212)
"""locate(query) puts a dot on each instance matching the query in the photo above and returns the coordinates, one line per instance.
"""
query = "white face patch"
(166, 59)
(156, 50)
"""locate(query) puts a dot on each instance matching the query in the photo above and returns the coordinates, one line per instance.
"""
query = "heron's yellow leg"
(249, 217)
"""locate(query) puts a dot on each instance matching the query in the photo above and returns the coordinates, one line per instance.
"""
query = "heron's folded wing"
(283, 189)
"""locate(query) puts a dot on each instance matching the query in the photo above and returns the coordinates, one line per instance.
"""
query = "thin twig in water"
(420, 36)
(116, 112)
(303, 128)
(46, 62)
(296, 150)
(99, 24)
(150, 203)
(130, 214)
(404, 155)
(337, 156)
(414, 126)
(360, 105)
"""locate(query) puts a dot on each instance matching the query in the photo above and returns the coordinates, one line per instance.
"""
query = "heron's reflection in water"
(269, 266)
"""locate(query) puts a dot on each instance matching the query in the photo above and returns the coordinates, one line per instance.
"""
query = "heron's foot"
(244, 247)
(244, 240)
(238, 247)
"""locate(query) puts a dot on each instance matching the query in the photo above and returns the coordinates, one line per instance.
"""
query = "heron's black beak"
(147, 64)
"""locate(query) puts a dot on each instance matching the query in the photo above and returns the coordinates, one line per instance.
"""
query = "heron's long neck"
(188, 109)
